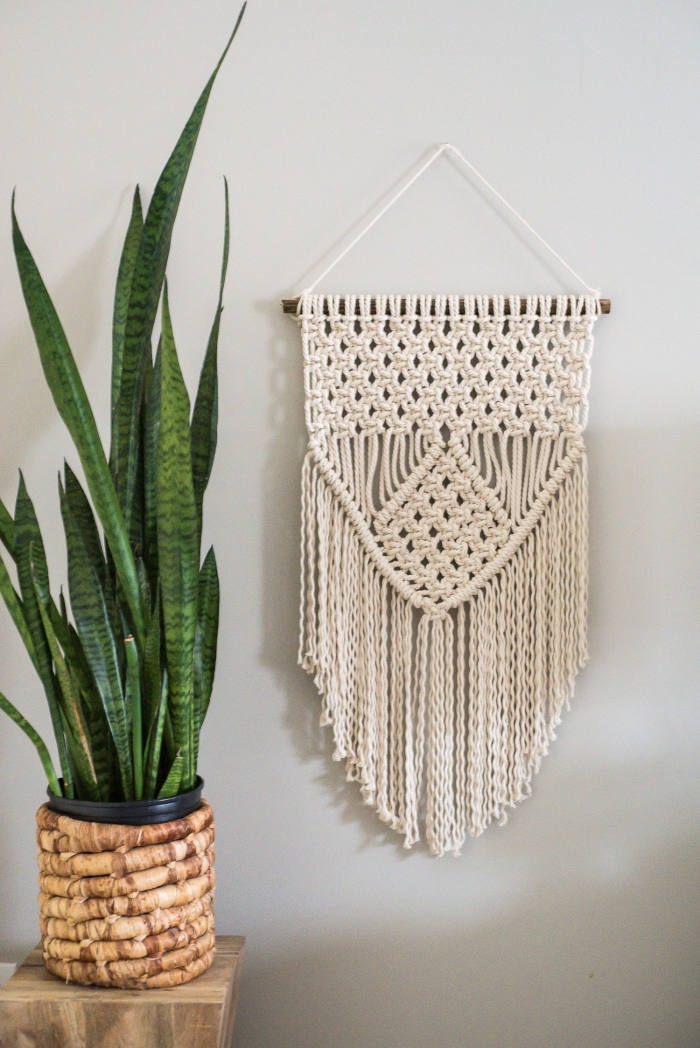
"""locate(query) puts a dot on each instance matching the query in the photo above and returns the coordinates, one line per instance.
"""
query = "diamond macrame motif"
(442, 526)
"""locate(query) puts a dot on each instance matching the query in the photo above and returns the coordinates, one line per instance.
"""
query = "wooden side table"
(37, 1010)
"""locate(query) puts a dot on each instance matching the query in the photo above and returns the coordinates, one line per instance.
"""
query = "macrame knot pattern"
(444, 544)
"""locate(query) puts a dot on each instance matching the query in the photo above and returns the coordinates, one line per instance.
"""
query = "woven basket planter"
(127, 906)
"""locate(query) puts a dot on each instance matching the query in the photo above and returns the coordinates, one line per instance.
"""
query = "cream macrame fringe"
(452, 711)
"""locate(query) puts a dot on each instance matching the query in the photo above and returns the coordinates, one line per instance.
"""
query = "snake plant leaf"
(73, 647)
(206, 637)
(136, 519)
(7, 528)
(28, 546)
(73, 650)
(104, 754)
(85, 520)
(66, 637)
(70, 748)
(121, 303)
(169, 747)
(16, 609)
(94, 628)
(144, 583)
(61, 625)
(75, 658)
(36, 738)
(133, 698)
(74, 408)
(172, 784)
(146, 285)
(205, 416)
(155, 740)
(227, 237)
(178, 542)
(101, 746)
(77, 736)
(150, 470)
(152, 663)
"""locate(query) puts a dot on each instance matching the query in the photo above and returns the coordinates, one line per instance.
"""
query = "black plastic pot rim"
(130, 813)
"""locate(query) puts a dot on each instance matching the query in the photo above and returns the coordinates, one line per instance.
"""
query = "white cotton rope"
(444, 544)
(446, 146)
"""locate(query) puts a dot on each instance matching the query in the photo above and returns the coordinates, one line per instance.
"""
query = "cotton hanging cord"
(366, 229)
(456, 152)
(446, 146)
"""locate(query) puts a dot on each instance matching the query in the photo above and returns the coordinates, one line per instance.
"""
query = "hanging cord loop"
(446, 146)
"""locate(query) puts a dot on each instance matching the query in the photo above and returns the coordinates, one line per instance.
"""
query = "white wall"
(578, 923)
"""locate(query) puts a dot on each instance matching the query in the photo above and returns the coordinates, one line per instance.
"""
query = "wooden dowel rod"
(289, 305)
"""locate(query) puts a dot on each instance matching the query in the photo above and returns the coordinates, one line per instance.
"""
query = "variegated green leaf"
(27, 538)
(7, 528)
(74, 408)
(173, 782)
(154, 742)
(169, 747)
(70, 644)
(136, 484)
(101, 745)
(144, 583)
(16, 609)
(178, 542)
(84, 682)
(104, 754)
(152, 664)
(147, 282)
(77, 736)
(205, 640)
(150, 470)
(84, 518)
(37, 740)
(206, 407)
(121, 303)
(94, 628)
(133, 699)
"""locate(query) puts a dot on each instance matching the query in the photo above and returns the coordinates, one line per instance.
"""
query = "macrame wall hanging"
(444, 541)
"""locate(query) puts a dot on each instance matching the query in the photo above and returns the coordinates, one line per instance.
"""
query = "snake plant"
(128, 663)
